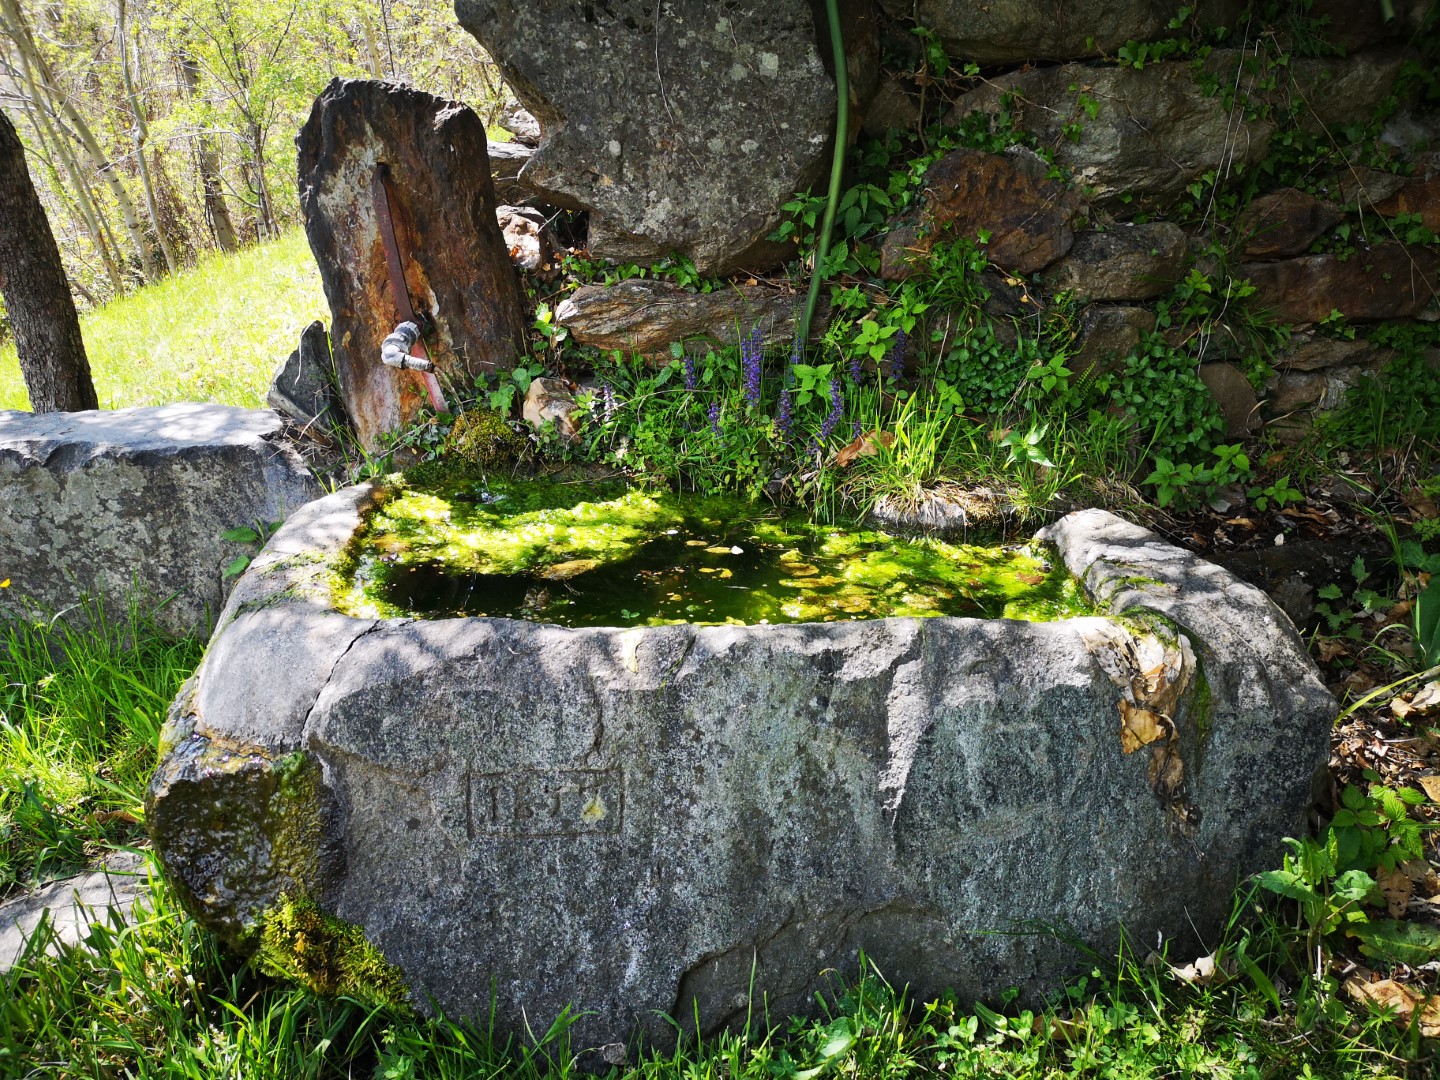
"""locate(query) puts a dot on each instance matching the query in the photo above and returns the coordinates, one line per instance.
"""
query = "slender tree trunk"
(40, 119)
(20, 34)
(139, 135)
(37, 296)
(217, 211)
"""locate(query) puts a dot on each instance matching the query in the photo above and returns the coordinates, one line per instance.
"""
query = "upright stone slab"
(99, 503)
(456, 265)
(681, 131)
(695, 820)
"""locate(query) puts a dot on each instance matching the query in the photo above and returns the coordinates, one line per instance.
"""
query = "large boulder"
(454, 259)
(1124, 262)
(682, 131)
(107, 504)
(1027, 215)
(1387, 281)
(1153, 131)
(686, 820)
(999, 31)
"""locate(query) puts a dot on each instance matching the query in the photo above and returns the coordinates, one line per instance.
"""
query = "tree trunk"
(139, 135)
(217, 212)
(37, 296)
(20, 34)
(41, 120)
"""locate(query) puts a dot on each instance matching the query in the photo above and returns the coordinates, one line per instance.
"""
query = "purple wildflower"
(897, 357)
(752, 351)
(713, 413)
(783, 420)
(837, 410)
(854, 429)
(857, 373)
(691, 380)
(797, 351)
(607, 402)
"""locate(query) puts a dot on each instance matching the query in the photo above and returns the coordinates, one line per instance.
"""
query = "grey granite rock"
(303, 386)
(69, 907)
(1154, 129)
(100, 503)
(698, 820)
(682, 131)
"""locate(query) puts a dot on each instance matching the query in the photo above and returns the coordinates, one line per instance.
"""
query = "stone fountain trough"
(702, 821)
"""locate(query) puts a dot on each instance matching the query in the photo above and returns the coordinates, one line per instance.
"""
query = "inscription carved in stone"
(544, 802)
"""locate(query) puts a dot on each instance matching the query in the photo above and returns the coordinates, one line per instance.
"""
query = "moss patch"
(328, 955)
(604, 555)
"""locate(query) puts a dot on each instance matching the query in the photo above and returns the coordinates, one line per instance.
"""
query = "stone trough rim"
(1157, 602)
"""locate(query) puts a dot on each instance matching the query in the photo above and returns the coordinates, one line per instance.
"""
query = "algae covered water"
(598, 555)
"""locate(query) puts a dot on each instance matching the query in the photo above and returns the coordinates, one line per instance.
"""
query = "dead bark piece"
(456, 266)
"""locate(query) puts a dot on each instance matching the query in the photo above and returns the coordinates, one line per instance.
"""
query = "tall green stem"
(837, 167)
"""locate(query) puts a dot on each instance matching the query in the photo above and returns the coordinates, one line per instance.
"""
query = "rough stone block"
(99, 503)
(690, 820)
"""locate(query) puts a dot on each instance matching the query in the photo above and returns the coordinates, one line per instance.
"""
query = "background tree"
(37, 296)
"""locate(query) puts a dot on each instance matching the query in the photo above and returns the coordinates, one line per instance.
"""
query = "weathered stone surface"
(303, 386)
(1030, 218)
(1388, 281)
(681, 132)
(1335, 92)
(996, 31)
(521, 123)
(1154, 131)
(1307, 352)
(1353, 26)
(644, 821)
(99, 503)
(645, 316)
(1234, 397)
(890, 109)
(1125, 262)
(1420, 197)
(453, 255)
(1313, 391)
(507, 161)
(1363, 186)
(1285, 223)
(71, 906)
(1107, 334)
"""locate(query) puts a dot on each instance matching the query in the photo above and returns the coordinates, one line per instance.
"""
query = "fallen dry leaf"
(865, 446)
(1396, 887)
(1198, 972)
(1389, 994)
(1031, 579)
(1431, 786)
(1426, 698)
(1140, 727)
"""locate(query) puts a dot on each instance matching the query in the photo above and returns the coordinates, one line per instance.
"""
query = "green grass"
(80, 711)
(214, 333)
(163, 999)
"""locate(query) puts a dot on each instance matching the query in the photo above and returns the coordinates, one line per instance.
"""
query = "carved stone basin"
(686, 819)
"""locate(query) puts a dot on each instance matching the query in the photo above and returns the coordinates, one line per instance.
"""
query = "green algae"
(330, 956)
(591, 554)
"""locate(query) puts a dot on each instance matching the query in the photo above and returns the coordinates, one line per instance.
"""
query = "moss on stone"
(482, 439)
(327, 955)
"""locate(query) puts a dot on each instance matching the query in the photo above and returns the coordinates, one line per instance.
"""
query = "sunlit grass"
(214, 333)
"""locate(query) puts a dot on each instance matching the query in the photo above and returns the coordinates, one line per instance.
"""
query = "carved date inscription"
(544, 802)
